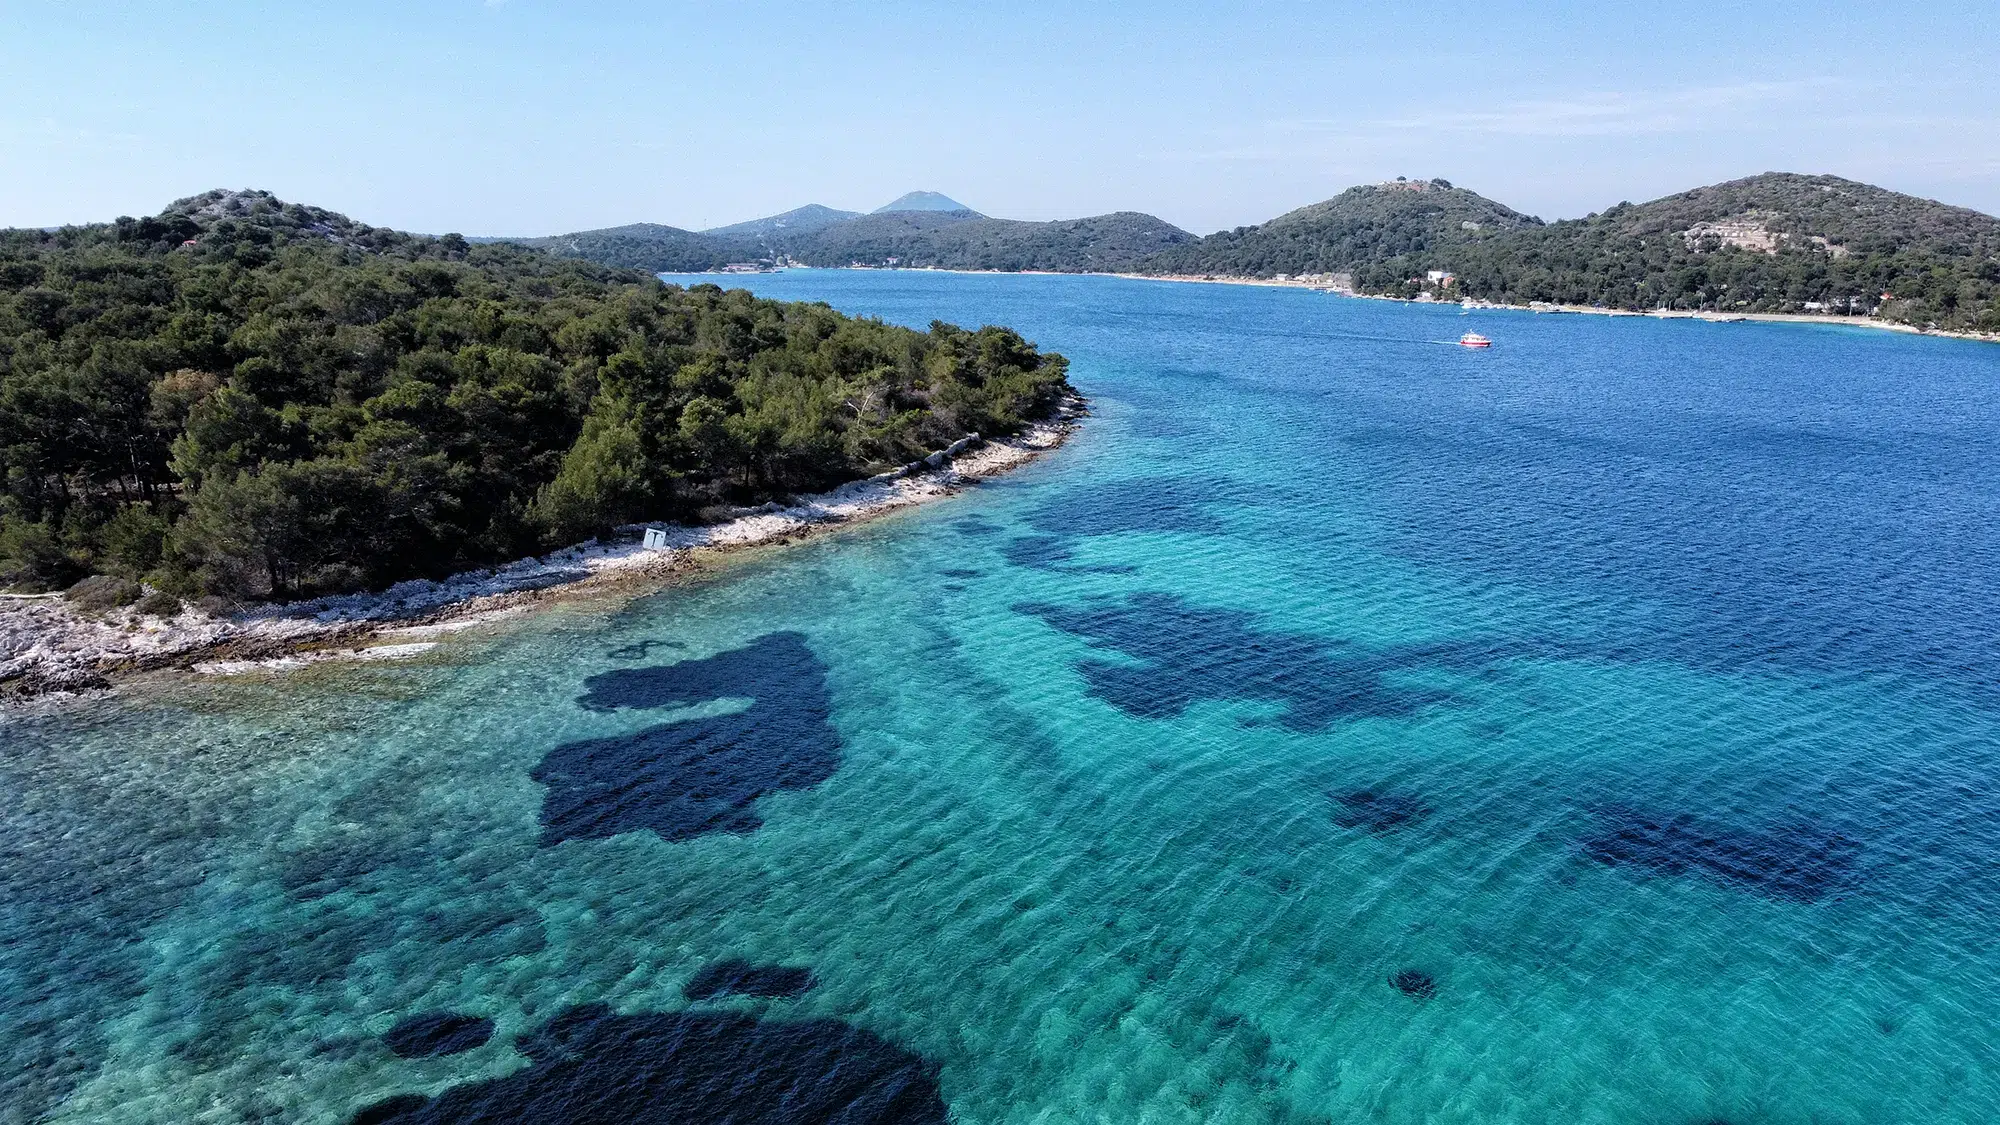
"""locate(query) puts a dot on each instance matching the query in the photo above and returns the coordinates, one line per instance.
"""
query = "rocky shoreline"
(49, 647)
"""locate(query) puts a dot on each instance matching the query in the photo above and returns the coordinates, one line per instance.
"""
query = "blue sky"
(531, 116)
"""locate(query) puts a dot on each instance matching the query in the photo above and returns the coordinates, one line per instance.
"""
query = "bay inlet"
(1342, 725)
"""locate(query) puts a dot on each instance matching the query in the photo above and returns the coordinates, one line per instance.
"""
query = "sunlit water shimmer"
(1344, 727)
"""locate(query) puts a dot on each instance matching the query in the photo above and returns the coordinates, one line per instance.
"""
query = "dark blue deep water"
(1344, 726)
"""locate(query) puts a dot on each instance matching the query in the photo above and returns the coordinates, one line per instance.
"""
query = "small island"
(246, 434)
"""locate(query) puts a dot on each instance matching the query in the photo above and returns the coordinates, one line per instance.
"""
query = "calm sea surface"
(1343, 727)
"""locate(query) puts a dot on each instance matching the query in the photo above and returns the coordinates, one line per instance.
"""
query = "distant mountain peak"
(923, 201)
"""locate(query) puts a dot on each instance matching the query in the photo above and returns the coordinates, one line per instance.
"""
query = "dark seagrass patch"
(695, 776)
(1415, 983)
(1173, 504)
(1372, 810)
(1052, 553)
(1179, 653)
(737, 977)
(1801, 863)
(437, 1033)
(592, 1067)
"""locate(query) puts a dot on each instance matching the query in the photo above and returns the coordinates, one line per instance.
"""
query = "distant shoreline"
(1553, 310)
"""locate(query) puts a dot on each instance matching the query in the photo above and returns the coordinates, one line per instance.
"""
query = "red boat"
(1474, 340)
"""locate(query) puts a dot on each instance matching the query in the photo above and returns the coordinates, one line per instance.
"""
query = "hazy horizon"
(514, 117)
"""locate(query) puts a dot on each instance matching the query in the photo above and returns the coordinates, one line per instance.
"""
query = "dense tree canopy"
(651, 247)
(1359, 228)
(960, 240)
(259, 399)
(1772, 243)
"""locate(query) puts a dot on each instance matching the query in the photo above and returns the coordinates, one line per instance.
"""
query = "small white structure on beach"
(656, 539)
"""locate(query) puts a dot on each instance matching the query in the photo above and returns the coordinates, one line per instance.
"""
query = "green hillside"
(651, 247)
(940, 239)
(868, 239)
(1359, 228)
(254, 398)
(1772, 243)
(936, 239)
(1778, 242)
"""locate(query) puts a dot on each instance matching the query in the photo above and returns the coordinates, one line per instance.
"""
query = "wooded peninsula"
(254, 399)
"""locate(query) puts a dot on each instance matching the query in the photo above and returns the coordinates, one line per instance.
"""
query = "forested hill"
(1354, 231)
(653, 248)
(1778, 242)
(254, 398)
(940, 238)
(1772, 243)
(956, 240)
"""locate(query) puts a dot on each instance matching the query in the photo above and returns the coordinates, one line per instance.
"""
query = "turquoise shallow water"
(1343, 727)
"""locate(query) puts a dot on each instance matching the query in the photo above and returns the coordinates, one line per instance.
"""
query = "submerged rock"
(55, 679)
(592, 1067)
(1415, 983)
